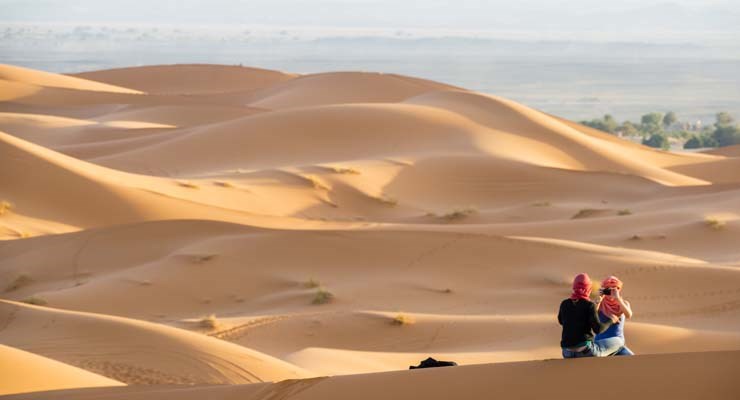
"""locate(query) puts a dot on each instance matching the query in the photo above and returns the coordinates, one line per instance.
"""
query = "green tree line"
(655, 129)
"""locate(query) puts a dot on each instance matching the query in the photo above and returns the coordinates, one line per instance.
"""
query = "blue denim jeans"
(598, 348)
(624, 352)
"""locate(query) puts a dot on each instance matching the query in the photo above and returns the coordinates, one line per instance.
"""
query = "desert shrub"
(187, 184)
(585, 212)
(402, 319)
(224, 184)
(36, 301)
(460, 213)
(5, 207)
(209, 322)
(624, 212)
(345, 170)
(541, 204)
(322, 296)
(714, 223)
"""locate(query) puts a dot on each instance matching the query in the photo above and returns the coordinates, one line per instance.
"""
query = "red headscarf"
(610, 306)
(581, 287)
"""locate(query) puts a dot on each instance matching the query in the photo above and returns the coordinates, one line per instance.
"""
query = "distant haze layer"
(575, 79)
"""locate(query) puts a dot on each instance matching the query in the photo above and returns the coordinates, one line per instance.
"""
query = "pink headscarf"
(610, 306)
(581, 287)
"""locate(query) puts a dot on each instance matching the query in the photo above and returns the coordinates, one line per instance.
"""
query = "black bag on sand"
(432, 363)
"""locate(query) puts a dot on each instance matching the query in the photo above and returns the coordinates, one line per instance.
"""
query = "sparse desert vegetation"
(585, 212)
(5, 207)
(714, 223)
(322, 296)
(36, 301)
(344, 170)
(241, 282)
(209, 322)
(187, 184)
(459, 213)
(402, 319)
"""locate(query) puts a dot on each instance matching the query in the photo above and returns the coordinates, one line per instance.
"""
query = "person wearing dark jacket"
(580, 320)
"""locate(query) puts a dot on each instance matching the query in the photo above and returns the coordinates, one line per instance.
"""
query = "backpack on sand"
(432, 363)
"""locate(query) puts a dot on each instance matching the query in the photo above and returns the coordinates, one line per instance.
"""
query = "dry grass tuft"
(224, 184)
(5, 207)
(541, 204)
(402, 319)
(714, 223)
(36, 301)
(187, 184)
(459, 213)
(586, 212)
(322, 296)
(624, 212)
(209, 322)
(345, 170)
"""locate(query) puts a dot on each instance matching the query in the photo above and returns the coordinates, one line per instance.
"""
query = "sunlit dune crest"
(206, 224)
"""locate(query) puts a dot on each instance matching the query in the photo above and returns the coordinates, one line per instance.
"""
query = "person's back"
(580, 321)
(577, 318)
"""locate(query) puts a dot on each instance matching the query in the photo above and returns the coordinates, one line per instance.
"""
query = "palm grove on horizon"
(656, 129)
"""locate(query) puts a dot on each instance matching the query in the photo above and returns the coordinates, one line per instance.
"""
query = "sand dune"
(188, 79)
(202, 224)
(136, 352)
(26, 372)
(341, 88)
(10, 73)
(699, 375)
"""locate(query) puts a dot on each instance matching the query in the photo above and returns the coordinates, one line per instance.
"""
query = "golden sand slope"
(684, 376)
(219, 224)
(136, 352)
(24, 76)
(22, 372)
(188, 79)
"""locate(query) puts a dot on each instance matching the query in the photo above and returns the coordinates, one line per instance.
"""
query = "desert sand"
(208, 225)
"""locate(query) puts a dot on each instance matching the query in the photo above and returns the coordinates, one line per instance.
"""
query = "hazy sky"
(632, 19)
